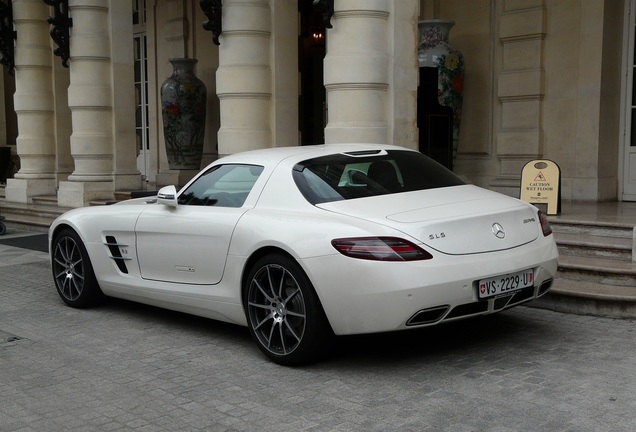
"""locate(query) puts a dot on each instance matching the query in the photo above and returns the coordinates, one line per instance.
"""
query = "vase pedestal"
(439, 99)
(434, 121)
(177, 178)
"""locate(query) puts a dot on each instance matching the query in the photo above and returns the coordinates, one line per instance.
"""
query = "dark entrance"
(9, 164)
(312, 115)
(434, 121)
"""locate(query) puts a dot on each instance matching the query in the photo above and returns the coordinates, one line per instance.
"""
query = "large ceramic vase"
(183, 101)
(435, 51)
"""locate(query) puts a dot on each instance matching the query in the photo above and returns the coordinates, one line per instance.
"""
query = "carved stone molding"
(325, 7)
(212, 9)
(60, 33)
(7, 35)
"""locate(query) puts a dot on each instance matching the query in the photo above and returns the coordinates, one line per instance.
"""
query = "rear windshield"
(364, 174)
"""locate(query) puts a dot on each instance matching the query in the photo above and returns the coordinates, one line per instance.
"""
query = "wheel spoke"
(77, 275)
(260, 306)
(61, 275)
(281, 284)
(66, 286)
(59, 255)
(77, 288)
(271, 282)
(296, 314)
(271, 335)
(66, 253)
(292, 331)
(72, 251)
(264, 321)
(262, 290)
(292, 295)
(282, 338)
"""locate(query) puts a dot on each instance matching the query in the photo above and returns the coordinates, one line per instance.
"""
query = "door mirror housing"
(167, 196)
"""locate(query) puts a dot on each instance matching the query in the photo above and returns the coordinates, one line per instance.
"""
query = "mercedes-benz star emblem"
(498, 230)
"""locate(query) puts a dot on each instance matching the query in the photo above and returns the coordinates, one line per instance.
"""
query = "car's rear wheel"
(72, 271)
(284, 314)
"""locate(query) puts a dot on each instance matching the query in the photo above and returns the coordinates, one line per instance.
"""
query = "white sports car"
(301, 243)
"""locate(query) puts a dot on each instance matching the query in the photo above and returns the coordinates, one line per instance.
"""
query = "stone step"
(589, 298)
(29, 217)
(597, 270)
(614, 248)
(592, 228)
(39, 215)
(50, 200)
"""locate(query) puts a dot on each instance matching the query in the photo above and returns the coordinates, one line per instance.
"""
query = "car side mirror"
(167, 196)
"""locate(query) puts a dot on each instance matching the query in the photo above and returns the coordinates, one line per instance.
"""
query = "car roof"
(275, 155)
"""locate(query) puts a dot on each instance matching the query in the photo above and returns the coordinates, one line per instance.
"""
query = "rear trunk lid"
(456, 220)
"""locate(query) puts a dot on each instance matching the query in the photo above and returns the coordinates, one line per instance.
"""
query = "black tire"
(283, 312)
(73, 272)
(3, 228)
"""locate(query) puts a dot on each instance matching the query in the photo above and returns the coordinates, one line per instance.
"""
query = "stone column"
(33, 103)
(63, 127)
(520, 90)
(403, 73)
(127, 176)
(90, 101)
(243, 78)
(357, 72)
(285, 77)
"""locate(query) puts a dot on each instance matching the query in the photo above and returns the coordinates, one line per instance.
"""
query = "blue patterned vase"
(183, 102)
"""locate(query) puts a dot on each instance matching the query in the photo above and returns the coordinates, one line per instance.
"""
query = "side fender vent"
(115, 253)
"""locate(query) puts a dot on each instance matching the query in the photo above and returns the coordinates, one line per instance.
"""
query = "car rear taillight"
(380, 249)
(545, 225)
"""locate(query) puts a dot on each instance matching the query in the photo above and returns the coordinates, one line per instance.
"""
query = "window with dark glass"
(222, 186)
(358, 175)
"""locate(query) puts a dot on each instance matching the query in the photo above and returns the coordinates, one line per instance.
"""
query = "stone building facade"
(546, 79)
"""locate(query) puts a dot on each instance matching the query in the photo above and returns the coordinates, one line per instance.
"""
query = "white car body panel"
(167, 236)
(459, 213)
(193, 259)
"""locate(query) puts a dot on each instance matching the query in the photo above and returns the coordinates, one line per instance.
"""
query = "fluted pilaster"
(521, 87)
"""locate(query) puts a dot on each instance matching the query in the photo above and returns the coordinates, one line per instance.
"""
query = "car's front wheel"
(284, 314)
(72, 270)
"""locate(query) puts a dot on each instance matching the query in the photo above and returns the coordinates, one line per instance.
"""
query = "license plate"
(505, 283)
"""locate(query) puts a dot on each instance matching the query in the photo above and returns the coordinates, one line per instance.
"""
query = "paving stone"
(124, 366)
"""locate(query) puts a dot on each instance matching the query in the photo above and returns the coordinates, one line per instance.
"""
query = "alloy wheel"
(68, 268)
(276, 308)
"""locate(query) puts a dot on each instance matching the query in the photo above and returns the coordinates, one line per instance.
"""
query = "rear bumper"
(362, 296)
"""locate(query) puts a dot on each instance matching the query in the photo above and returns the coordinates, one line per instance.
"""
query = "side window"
(222, 186)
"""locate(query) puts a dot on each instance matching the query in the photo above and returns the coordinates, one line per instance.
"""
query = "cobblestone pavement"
(124, 366)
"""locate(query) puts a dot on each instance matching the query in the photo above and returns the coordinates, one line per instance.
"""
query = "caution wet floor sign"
(540, 185)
